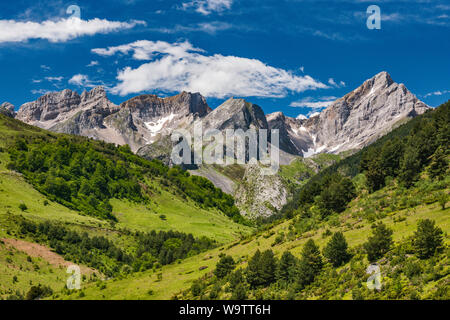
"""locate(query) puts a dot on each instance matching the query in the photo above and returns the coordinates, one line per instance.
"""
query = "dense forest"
(84, 175)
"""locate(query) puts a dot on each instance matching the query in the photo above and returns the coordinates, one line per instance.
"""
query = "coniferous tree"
(336, 250)
(310, 264)
(410, 166)
(428, 239)
(439, 164)
(379, 243)
(253, 270)
(268, 267)
(286, 267)
(225, 265)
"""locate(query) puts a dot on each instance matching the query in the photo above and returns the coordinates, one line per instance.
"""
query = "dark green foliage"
(336, 193)
(236, 278)
(23, 207)
(102, 254)
(84, 175)
(310, 264)
(197, 288)
(38, 292)
(268, 267)
(239, 293)
(225, 265)
(331, 193)
(402, 153)
(336, 250)
(77, 173)
(379, 243)
(428, 239)
(286, 269)
(403, 275)
(253, 274)
(405, 157)
(439, 164)
(261, 268)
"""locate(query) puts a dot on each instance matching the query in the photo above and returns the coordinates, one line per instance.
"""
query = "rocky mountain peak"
(151, 106)
(96, 93)
(236, 114)
(363, 115)
(276, 116)
(7, 109)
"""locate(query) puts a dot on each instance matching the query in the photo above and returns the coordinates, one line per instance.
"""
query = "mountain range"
(145, 123)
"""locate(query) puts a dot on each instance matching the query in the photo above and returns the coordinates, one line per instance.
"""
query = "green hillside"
(387, 204)
(167, 202)
(339, 199)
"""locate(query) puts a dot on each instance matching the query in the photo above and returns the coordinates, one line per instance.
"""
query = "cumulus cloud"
(58, 31)
(207, 7)
(82, 80)
(314, 103)
(180, 66)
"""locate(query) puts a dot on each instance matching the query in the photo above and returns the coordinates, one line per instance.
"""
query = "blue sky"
(293, 56)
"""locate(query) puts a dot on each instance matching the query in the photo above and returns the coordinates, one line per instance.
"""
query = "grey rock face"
(67, 111)
(7, 109)
(153, 118)
(292, 139)
(146, 122)
(236, 114)
(260, 195)
(353, 121)
(137, 122)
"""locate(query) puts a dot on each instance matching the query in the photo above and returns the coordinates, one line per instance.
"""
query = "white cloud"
(54, 79)
(333, 83)
(82, 80)
(58, 31)
(40, 91)
(44, 67)
(206, 7)
(436, 93)
(314, 103)
(92, 64)
(180, 66)
(207, 27)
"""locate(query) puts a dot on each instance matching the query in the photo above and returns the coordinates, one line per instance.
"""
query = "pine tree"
(253, 270)
(379, 243)
(336, 250)
(410, 166)
(286, 267)
(268, 267)
(428, 239)
(310, 264)
(225, 265)
(439, 164)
